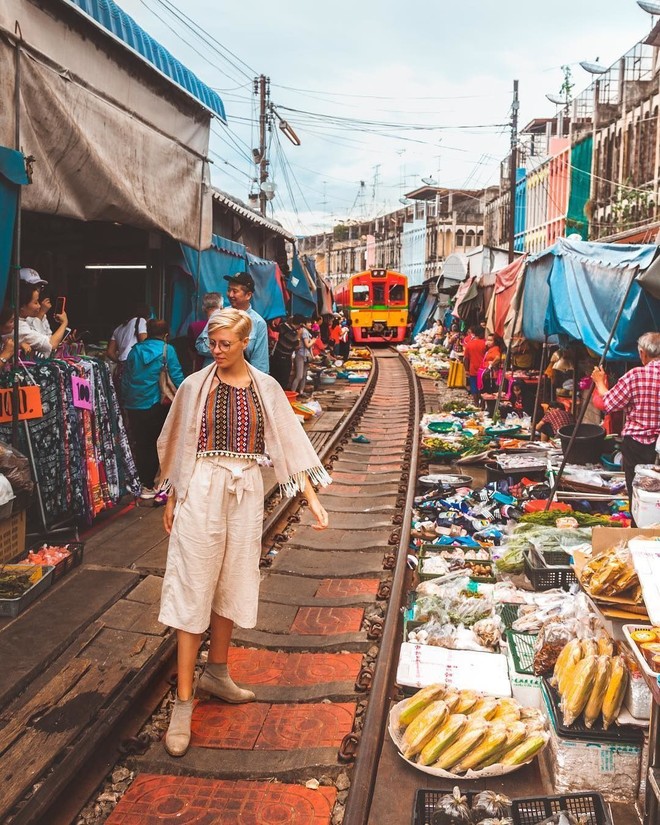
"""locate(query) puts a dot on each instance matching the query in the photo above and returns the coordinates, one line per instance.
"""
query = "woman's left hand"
(319, 513)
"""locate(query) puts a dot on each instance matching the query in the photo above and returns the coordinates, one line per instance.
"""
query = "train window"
(397, 294)
(379, 294)
(360, 293)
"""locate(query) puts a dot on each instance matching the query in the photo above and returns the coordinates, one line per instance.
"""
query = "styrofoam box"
(582, 765)
(422, 665)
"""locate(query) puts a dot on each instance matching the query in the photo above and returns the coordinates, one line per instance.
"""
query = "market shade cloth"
(12, 175)
(113, 141)
(507, 282)
(303, 301)
(225, 257)
(586, 285)
(468, 300)
(425, 313)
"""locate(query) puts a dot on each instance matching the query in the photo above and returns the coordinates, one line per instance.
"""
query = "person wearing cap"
(240, 292)
(29, 308)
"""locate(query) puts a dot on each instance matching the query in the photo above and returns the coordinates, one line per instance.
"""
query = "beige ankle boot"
(177, 738)
(217, 681)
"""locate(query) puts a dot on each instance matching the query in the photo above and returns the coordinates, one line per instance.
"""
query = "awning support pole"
(586, 400)
(16, 256)
(507, 358)
(537, 397)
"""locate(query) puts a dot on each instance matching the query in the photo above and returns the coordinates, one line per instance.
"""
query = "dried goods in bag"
(488, 804)
(452, 809)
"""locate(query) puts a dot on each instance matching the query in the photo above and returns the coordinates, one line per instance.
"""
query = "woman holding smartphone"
(31, 333)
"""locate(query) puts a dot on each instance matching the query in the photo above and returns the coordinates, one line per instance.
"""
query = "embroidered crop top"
(232, 423)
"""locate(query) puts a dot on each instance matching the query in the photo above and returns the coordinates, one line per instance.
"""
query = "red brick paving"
(267, 667)
(289, 727)
(217, 725)
(327, 621)
(337, 588)
(155, 800)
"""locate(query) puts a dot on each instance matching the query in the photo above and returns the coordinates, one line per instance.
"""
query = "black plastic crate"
(589, 805)
(621, 734)
(553, 558)
(524, 811)
(547, 578)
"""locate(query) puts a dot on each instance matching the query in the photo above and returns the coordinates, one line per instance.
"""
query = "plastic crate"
(12, 537)
(76, 549)
(531, 811)
(616, 734)
(547, 578)
(12, 607)
(508, 613)
(521, 646)
(553, 558)
(591, 806)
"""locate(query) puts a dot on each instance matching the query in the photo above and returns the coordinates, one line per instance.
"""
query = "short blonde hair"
(230, 318)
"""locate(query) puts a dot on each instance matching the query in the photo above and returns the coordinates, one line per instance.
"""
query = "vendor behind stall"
(29, 308)
(638, 395)
(556, 416)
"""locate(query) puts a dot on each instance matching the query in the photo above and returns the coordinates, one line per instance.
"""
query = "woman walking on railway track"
(223, 419)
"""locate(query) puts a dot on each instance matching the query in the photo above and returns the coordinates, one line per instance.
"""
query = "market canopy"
(12, 175)
(507, 282)
(585, 286)
(303, 300)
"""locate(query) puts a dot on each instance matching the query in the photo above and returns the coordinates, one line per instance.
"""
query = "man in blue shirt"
(240, 292)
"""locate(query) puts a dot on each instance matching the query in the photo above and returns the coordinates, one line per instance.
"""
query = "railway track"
(320, 659)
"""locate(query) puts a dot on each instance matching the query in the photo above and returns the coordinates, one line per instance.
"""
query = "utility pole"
(262, 86)
(513, 169)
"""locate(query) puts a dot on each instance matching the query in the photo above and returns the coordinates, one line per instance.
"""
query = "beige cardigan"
(286, 442)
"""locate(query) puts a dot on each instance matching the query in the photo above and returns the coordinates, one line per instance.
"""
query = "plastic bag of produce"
(552, 639)
(488, 805)
(16, 468)
(451, 809)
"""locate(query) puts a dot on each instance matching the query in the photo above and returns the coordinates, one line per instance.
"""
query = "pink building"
(558, 183)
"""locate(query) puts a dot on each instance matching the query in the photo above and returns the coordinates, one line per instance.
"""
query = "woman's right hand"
(168, 514)
(7, 349)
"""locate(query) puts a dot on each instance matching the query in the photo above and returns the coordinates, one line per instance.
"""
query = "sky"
(436, 77)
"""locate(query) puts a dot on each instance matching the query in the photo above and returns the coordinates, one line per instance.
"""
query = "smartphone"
(60, 305)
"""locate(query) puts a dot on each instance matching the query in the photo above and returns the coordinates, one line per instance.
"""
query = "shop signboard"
(29, 404)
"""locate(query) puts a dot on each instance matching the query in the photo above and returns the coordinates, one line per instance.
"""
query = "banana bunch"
(463, 730)
(591, 680)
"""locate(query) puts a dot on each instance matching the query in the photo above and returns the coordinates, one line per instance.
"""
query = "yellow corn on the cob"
(452, 699)
(570, 651)
(567, 669)
(578, 691)
(602, 680)
(467, 700)
(516, 732)
(471, 736)
(605, 645)
(491, 743)
(422, 728)
(615, 691)
(532, 717)
(507, 708)
(589, 648)
(416, 704)
(525, 751)
(449, 731)
(485, 707)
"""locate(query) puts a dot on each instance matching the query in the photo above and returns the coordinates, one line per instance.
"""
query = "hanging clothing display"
(82, 456)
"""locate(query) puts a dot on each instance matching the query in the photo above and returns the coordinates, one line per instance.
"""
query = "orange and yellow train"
(376, 305)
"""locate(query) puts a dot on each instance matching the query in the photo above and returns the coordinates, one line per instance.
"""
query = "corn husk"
(485, 707)
(467, 700)
(470, 737)
(422, 728)
(578, 691)
(615, 692)
(448, 732)
(526, 751)
(492, 743)
(416, 704)
(516, 733)
(601, 681)
(570, 652)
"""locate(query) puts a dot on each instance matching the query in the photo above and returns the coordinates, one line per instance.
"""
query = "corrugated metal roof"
(108, 15)
(240, 208)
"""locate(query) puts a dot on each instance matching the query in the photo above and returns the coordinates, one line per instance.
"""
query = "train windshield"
(379, 294)
(360, 293)
(397, 294)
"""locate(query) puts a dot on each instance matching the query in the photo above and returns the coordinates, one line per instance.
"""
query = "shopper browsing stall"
(142, 398)
(638, 395)
(197, 331)
(214, 514)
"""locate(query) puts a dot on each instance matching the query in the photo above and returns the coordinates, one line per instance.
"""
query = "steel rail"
(363, 781)
(328, 449)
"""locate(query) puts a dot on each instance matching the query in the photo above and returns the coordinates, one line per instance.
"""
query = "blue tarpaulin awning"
(574, 290)
(115, 20)
(303, 301)
(12, 175)
(268, 300)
